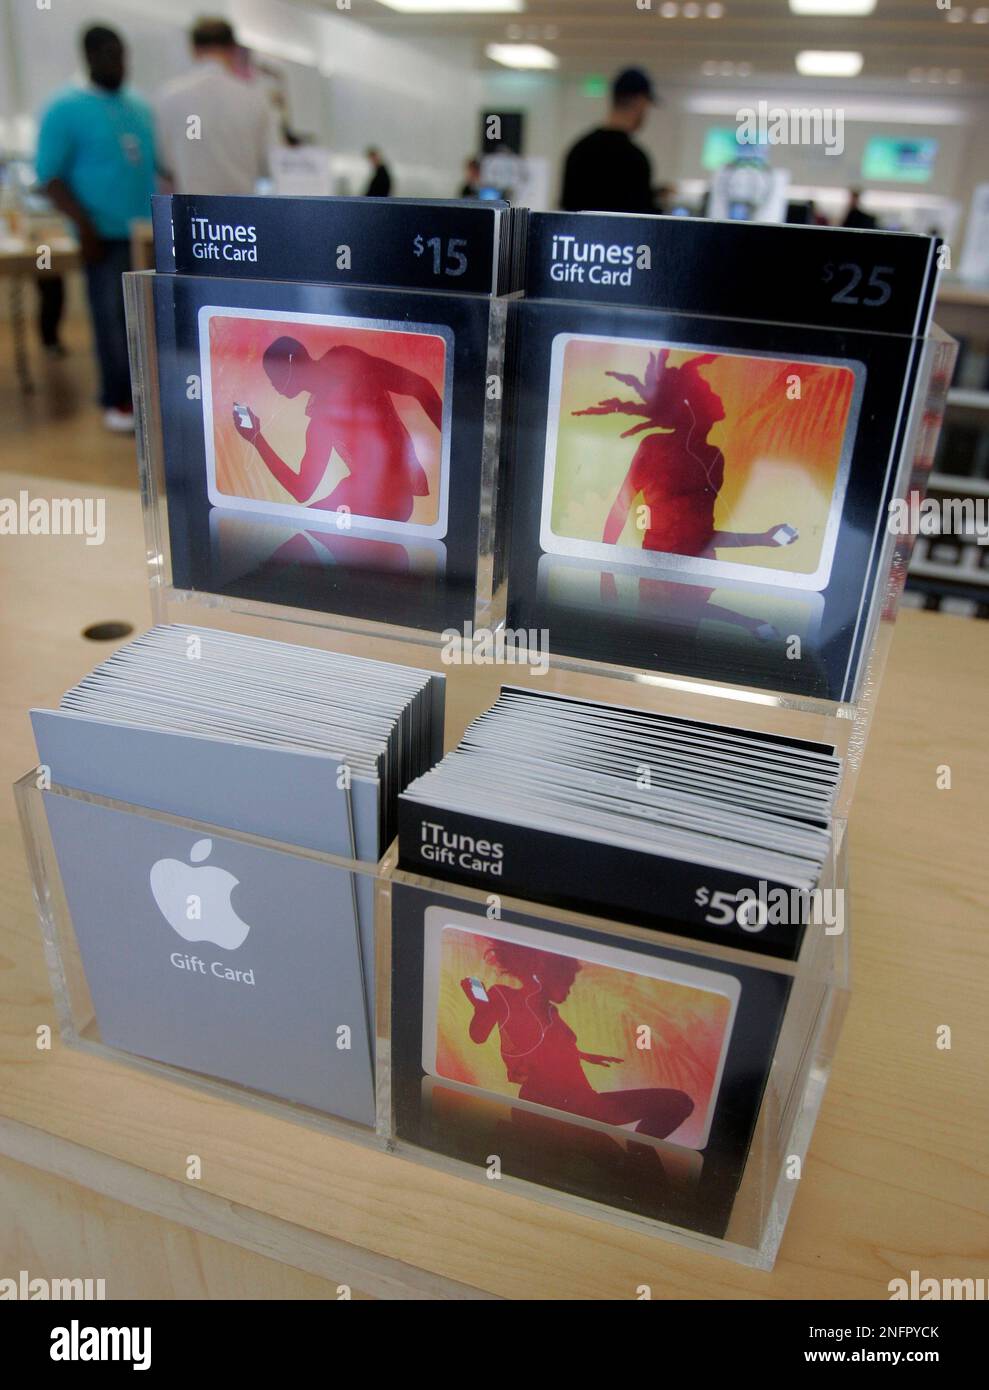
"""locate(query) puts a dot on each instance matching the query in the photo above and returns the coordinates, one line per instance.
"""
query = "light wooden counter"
(896, 1175)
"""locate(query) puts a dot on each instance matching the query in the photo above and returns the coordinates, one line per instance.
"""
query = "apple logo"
(196, 902)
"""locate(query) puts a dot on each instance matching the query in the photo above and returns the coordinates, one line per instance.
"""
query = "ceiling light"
(691, 10)
(668, 10)
(903, 111)
(714, 11)
(953, 75)
(981, 17)
(828, 63)
(956, 15)
(522, 55)
(709, 69)
(456, 6)
(842, 7)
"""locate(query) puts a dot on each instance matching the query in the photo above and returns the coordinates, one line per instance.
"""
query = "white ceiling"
(595, 37)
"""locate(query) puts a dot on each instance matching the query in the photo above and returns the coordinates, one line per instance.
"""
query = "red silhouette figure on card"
(351, 411)
(678, 473)
(540, 1050)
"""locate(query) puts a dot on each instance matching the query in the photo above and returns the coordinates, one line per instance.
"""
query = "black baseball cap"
(633, 82)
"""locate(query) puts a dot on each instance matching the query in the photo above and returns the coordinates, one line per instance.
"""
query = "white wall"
(558, 111)
(420, 103)
(417, 101)
(348, 86)
(45, 48)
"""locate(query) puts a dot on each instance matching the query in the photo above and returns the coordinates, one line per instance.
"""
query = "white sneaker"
(119, 421)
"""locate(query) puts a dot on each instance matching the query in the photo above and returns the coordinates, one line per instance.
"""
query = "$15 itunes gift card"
(329, 432)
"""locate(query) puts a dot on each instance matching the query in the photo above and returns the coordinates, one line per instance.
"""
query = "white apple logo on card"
(196, 902)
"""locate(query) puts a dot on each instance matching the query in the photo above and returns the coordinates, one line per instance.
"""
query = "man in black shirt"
(856, 216)
(605, 171)
(380, 185)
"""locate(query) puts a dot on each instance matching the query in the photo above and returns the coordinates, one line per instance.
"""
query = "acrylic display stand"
(844, 723)
(786, 1113)
(819, 978)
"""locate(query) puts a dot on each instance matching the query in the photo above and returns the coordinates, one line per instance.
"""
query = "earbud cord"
(543, 1029)
(696, 457)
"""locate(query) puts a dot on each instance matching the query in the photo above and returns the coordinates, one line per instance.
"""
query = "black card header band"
(395, 243)
(821, 276)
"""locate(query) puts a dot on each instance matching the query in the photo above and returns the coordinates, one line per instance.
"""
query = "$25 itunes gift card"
(704, 457)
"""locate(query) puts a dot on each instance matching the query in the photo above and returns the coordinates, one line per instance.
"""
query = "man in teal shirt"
(96, 162)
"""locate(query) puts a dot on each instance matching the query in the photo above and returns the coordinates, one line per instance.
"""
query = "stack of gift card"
(221, 954)
(299, 745)
(202, 947)
(655, 819)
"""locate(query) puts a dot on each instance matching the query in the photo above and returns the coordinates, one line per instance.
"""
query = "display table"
(895, 1177)
(19, 266)
(962, 306)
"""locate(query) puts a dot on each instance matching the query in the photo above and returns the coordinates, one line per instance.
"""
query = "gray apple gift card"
(219, 956)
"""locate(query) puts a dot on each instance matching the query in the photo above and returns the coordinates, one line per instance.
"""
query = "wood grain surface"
(896, 1175)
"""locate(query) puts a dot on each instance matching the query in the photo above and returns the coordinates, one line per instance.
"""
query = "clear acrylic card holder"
(223, 549)
(133, 983)
(435, 1063)
(222, 530)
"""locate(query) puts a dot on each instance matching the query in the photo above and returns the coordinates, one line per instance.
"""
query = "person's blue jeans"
(106, 305)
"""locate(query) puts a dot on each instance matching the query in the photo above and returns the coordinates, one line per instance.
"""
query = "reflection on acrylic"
(683, 604)
(271, 548)
(556, 1152)
(322, 568)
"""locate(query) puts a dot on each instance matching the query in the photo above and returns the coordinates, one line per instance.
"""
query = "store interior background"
(415, 85)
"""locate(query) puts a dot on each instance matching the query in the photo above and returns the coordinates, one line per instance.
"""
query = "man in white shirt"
(213, 127)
